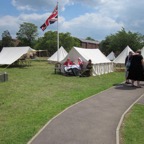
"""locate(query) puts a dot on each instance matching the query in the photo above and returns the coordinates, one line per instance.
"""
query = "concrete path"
(91, 121)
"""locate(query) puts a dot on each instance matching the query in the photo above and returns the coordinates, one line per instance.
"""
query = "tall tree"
(67, 41)
(117, 42)
(27, 34)
(49, 42)
(6, 39)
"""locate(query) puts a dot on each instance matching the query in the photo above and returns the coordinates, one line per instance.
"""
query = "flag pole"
(57, 34)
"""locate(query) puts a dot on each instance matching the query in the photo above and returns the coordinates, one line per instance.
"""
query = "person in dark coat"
(136, 71)
(88, 71)
(127, 65)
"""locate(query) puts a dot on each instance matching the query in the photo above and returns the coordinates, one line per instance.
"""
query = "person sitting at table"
(71, 68)
(67, 66)
(68, 62)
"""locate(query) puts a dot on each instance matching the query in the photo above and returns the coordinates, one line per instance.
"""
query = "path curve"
(94, 120)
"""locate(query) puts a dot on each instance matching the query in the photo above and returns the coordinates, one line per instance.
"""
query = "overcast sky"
(82, 18)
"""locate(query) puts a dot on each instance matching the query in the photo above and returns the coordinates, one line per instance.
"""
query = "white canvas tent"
(60, 54)
(120, 59)
(101, 64)
(111, 56)
(142, 52)
(9, 55)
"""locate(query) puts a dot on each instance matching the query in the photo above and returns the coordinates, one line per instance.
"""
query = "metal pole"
(57, 34)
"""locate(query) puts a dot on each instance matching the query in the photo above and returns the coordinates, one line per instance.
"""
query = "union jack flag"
(51, 19)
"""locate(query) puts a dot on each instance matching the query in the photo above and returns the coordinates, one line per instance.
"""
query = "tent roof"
(9, 55)
(85, 54)
(111, 56)
(62, 54)
(121, 57)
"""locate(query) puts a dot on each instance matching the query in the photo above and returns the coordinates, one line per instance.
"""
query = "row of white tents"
(120, 59)
(102, 64)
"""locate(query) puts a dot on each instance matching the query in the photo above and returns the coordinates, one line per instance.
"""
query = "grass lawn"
(132, 129)
(33, 95)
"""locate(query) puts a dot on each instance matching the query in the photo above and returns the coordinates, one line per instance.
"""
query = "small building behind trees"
(89, 43)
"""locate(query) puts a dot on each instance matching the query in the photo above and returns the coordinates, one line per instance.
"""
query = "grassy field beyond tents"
(33, 95)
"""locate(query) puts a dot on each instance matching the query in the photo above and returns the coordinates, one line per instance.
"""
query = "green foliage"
(27, 34)
(49, 42)
(117, 42)
(6, 34)
(33, 95)
(6, 39)
(67, 41)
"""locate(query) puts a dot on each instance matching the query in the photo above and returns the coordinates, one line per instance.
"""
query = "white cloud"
(106, 17)
(93, 25)
(9, 23)
(44, 5)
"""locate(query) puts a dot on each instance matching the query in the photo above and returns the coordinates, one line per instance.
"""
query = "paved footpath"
(91, 121)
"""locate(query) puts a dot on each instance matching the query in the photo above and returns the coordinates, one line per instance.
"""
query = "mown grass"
(132, 130)
(33, 95)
